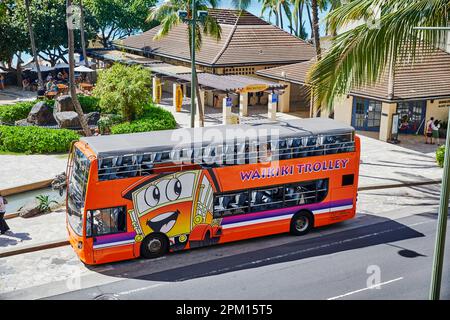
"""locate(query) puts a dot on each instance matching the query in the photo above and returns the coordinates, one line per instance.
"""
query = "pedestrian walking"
(436, 127)
(3, 226)
(429, 131)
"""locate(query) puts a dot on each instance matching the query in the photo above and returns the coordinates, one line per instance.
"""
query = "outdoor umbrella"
(61, 66)
(3, 71)
(83, 69)
(43, 69)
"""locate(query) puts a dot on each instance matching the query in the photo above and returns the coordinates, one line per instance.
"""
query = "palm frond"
(359, 57)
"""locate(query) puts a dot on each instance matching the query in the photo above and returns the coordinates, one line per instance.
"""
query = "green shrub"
(89, 103)
(440, 154)
(13, 112)
(35, 139)
(155, 118)
(124, 90)
(107, 121)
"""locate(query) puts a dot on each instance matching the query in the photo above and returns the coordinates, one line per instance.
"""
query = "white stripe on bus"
(113, 244)
(283, 217)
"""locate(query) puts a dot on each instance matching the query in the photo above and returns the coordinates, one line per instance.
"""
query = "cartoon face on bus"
(177, 205)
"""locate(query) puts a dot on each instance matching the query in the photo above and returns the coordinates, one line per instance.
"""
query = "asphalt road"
(387, 259)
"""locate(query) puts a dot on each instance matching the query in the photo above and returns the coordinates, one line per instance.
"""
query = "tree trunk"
(19, 69)
(315, 31)
(33, 45)
(83, 39)
(72, 88)
(300, 19)
(280, 11)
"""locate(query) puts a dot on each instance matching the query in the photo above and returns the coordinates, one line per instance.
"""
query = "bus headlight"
(80, 245)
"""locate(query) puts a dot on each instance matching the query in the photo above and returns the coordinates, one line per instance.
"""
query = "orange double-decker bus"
(146, 194)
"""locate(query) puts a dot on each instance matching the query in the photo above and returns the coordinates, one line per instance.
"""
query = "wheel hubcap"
(154, 246)
(301, 224)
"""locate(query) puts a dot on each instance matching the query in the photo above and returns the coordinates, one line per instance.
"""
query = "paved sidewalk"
(13, 94)
(385, 164)
(18, 170)
(34, 231)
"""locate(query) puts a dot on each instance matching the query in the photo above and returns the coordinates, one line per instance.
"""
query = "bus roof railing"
(164, 140)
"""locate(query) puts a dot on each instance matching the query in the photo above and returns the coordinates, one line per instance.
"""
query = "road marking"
(138, 290)
(364, 289)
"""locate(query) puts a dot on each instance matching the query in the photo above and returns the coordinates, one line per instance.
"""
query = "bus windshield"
(77, 191)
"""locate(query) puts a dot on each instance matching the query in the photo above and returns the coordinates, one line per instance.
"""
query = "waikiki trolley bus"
(146, 194)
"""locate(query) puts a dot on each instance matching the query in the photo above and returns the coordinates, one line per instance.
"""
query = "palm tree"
(315, 29)
(167, 13)
(33, 45)
(359, 56)
(273, 7)
(72, 88)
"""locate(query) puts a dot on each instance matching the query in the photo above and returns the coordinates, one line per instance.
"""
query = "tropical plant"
(13, 112)
(154, 118)
(44, 203)
(440, 156)
(359, 56)
(72, 88)
(167, 13)
(117, 19)
(123, 90)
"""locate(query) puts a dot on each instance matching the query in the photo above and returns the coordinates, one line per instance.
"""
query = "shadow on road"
(384, 231)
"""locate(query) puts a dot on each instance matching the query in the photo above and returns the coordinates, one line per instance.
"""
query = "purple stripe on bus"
(115, 238)
(284, 211)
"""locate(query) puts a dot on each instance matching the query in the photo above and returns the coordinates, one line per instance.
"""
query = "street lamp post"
(192, 22)
(438, 259)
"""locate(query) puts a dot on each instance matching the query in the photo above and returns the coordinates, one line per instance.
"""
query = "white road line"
(139, 289)
(364, 289)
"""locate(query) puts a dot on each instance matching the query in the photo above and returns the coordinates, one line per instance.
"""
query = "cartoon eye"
(152, 196)
(173, 189)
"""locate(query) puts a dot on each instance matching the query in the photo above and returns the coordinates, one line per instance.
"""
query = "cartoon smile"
(164, 222)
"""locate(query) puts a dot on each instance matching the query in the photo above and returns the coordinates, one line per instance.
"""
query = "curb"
(27, 187)
(31, 248)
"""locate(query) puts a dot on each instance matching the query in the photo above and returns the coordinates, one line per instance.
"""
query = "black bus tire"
(154, 245)
(301, 223)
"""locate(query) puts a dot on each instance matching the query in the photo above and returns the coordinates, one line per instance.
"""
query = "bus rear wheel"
(301, 223)
(154, 246)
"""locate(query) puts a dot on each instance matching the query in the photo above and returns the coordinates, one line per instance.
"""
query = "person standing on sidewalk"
(3, 226)
(436, 127)
(429, 131)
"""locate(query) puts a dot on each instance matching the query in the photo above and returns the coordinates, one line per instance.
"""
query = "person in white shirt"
(3, 226)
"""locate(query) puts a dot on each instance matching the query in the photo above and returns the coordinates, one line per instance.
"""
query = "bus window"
(230, 204)
(306, 192)
(267, 199)
(77, 191)
(105, 221)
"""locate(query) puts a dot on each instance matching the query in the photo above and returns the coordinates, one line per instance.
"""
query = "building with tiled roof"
(248, 43)
(420, 90)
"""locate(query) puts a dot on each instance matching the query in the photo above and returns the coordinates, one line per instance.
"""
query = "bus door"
(108, 229)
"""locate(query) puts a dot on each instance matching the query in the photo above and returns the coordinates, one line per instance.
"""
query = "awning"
(120, 56)
(229, 83)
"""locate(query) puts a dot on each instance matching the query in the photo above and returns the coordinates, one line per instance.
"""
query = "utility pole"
(439, 248)
(193, 78)
(192, 23)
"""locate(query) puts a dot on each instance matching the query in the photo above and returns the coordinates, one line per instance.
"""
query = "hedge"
(89, 103)
(440, 154)
(155, 118)
(35, 139)
(13, 112)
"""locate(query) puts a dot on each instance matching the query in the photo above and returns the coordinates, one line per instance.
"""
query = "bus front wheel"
(154, 246)
(301, 223)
